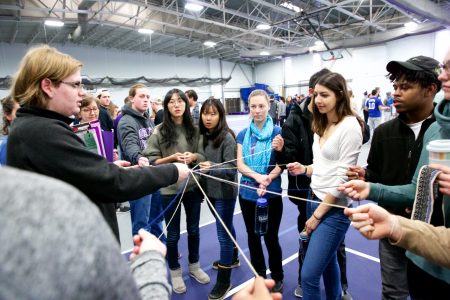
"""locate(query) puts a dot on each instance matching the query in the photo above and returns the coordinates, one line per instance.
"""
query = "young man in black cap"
(395, 152)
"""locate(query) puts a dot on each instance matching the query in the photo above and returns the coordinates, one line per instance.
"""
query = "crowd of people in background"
(156, 143)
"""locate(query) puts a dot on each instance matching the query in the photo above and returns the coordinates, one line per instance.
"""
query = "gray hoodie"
(133, 132)
(56, 245)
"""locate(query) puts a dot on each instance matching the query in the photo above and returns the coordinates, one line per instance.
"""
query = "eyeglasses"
(178, 101)
(75, 84)
(445, 67)
(89, 110)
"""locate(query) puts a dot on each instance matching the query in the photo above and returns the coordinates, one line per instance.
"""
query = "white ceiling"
(230, 24)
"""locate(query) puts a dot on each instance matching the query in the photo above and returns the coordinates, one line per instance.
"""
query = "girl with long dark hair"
(177, 140)
(220, 147)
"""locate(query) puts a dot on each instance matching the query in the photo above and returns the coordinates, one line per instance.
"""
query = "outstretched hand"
(258, 290)
(356, 173)
(183, 171)
(145, 241)
(295, 168)
(374, 222)
(355, 189)
(204, 166)
(124, 164)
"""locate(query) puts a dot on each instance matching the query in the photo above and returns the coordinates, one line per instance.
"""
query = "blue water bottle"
(261, 216)
(304, 241)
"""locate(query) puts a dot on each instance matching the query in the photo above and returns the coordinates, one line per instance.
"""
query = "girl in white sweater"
(337, 142)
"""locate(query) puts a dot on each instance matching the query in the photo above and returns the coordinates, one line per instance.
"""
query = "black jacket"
(298, 140)
(394, 153)
(159, 116)
(106, 122)
(42, 141)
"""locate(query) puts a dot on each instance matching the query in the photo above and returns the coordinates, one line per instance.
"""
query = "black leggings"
(270, 238)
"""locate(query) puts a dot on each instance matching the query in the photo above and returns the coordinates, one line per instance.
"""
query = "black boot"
(222, 285)
(234, 264)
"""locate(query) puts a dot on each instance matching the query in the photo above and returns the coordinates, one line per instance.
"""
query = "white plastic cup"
(439, 152)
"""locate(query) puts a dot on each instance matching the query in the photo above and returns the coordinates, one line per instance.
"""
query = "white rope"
(279, 165)
(269, 192)
(175, 211)
(225, 227)
(225, 162)
(237, 184)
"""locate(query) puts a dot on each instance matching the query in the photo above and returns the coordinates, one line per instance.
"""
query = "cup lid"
(439, 146)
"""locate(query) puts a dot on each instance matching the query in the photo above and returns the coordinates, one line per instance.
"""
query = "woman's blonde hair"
(39, 63)
(113, 110)
(259, 93)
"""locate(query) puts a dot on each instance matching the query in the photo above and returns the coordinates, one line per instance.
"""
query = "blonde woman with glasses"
(49, 90)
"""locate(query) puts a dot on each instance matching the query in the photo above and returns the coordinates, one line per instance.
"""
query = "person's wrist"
(306, 171)
(395, 232)
(315, 217)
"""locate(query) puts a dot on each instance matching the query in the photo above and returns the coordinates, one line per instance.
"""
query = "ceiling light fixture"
(209, 44)
(54, 23)
(264, 53)
(290, 6)
(145, 31)
(263, 26)
(411, 25)
(193, 7)
(319, 43)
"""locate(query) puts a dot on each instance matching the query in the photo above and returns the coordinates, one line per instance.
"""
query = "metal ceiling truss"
(231, 24)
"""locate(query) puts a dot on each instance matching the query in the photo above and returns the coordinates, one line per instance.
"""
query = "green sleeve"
(403, 195)
(153, 149)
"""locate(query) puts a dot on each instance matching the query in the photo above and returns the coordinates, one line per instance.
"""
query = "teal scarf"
(260, 161)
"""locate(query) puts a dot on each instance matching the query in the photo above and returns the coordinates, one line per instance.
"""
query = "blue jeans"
(191, 202)
(156, 217)
(140, 213)
(225, 209)
(321, 256)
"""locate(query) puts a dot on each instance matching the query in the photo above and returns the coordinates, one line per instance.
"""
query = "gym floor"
(362, 255)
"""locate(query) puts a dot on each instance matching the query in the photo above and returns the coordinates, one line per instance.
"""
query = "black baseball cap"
(418, 63)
